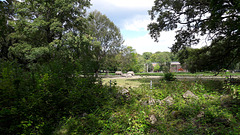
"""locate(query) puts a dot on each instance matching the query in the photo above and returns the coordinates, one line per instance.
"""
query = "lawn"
(130, 82)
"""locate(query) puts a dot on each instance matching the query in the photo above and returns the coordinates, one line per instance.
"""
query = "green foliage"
(232, 89)
(38, 32)
(205, 115)
(161, 57)
(48, 56)
(208, 59)
(127, 60)
(147, 55)
(156, 68)
(34, 102)
(6, 14)
(108, 35)
(148, 66)
(169, 76)
(217, 20)
(46, 65)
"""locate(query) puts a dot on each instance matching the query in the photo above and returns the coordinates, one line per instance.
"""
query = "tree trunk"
(96, 74)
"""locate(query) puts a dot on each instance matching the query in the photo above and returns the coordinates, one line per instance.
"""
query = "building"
(176, 67)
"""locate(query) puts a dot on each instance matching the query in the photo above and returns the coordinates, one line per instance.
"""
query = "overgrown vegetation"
(55, 100)
(49, 52)
(215, 111)
(169, 77)
(35, 102)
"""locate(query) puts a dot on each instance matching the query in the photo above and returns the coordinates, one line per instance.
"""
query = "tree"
(140, 63)
(40, 27)
(207, 58)
(127, 59)
(190, 59)
(218, 19)
(109, 37)
(6, 14)
(147, 55)
(156, 68)
(47, 38)
(161, 57)
(148, 66)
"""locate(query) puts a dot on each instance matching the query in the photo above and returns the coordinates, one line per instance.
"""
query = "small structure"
(131, 72)
(118, 72)
(176, 67)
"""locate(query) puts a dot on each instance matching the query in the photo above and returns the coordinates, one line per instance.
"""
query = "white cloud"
(132, 18)
(138, 23)
(147, 44)
(130, 4)
(122, 6)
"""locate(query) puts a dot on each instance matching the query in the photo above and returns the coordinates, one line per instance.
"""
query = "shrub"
(34, 101)
(169, 77)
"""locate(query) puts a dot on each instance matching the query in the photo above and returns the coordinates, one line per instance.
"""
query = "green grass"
(130, 82)
(122, 82)
(216, 111)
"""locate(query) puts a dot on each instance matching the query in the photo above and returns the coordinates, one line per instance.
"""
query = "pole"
(151, 84)
(110, 83)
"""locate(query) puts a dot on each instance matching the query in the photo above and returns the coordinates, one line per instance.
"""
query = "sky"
(131, 17)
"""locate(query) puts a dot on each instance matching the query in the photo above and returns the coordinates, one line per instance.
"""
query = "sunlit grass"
(123, 82)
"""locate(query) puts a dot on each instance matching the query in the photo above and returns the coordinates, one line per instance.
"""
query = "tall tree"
(147, 55)
(109, 37)
(218, 19)
(207, 58)
(6, 14)
(127, 59)
(161, 57)
(140, 63)
(40, 27)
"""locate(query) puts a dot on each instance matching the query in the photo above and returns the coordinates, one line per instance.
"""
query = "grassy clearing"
(215, 111)
(130, 82)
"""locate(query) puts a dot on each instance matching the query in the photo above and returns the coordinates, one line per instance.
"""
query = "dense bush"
(169, 77)
(35, 101)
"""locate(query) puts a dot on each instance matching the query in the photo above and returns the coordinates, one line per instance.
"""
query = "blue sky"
(131, 16)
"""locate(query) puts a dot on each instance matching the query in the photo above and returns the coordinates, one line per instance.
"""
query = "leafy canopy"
(40, 27)
(218, 19)
(109, 37)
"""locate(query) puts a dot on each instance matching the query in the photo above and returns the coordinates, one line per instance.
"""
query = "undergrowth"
(215, 111)
(52, 99)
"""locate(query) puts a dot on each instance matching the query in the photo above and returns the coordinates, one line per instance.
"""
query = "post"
(110, 83)
(151, 84)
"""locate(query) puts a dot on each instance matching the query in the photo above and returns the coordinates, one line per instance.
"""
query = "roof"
(175, 63)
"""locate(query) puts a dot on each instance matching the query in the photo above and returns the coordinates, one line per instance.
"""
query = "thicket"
(213, 110)
(47, 63)
(33, 102)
